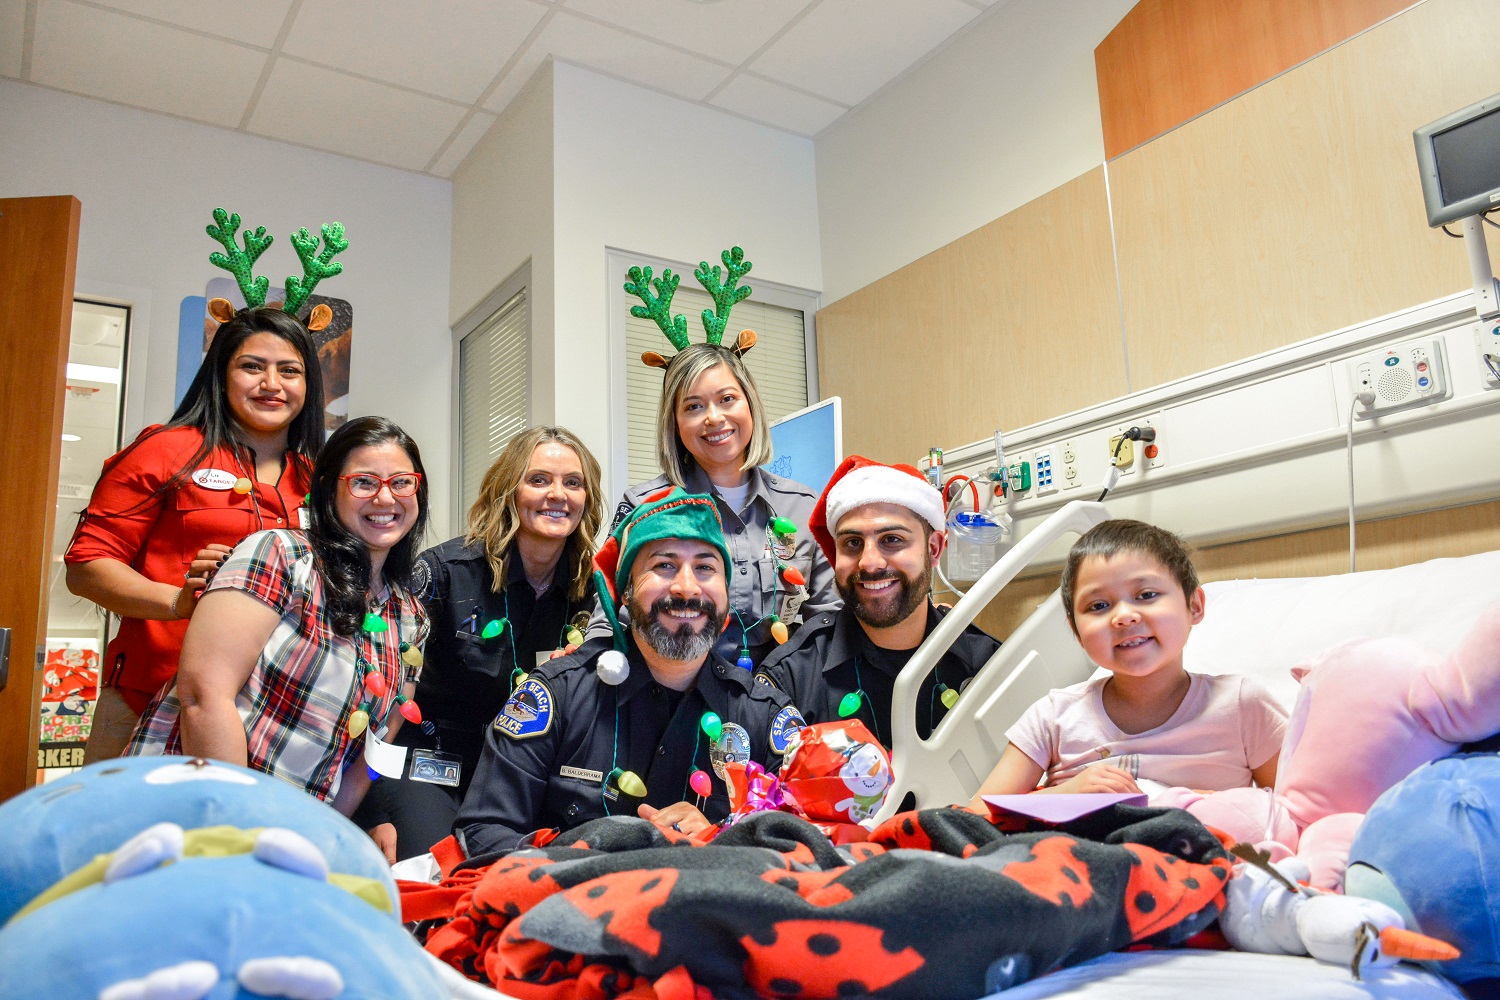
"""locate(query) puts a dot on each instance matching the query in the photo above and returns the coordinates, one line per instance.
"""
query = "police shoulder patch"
(528, 713)
(762, 677)
(784, 729)
(421, 580)
(621, 513)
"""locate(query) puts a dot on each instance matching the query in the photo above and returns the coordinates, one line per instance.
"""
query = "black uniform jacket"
(466, 678)
(817, 667)
(548, 756)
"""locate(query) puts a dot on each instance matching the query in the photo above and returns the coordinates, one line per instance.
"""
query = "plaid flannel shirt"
(306, 682)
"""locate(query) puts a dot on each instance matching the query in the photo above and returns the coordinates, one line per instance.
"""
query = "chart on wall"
(196, 328)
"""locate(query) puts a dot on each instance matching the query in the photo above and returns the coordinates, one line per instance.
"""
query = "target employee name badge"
(215, 479)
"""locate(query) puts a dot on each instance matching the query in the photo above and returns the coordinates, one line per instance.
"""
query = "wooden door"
(38, 255)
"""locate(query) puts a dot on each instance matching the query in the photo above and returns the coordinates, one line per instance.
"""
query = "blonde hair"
(686, 368)
(495, 521)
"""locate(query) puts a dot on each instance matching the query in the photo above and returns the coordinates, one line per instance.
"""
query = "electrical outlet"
(1070, 474)
(1122, 451)
(1152, 456)
(1043, 480)
(1487, 343)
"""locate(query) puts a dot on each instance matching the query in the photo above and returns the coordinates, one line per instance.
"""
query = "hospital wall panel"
(1295, 209)
(1010, 324)
(1383, 543)
(1168, 61)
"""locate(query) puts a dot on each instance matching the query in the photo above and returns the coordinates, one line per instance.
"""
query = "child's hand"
(1098, 778)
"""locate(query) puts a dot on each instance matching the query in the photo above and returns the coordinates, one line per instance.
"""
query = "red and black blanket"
(938, 903)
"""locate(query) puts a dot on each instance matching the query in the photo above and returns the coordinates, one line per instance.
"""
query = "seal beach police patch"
(733, 746)
(528, 713)
(784, 729)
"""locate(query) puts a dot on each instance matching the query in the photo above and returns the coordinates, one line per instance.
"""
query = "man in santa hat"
(882, 528)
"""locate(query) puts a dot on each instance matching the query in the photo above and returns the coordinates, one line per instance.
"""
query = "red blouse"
(159, 539)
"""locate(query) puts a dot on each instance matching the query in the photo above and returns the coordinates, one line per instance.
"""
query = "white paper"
(385, 758)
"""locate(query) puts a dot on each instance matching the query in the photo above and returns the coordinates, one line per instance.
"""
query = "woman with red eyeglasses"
(302, 647)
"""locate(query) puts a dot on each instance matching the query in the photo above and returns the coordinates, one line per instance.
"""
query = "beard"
(884, 612)
(682, 642)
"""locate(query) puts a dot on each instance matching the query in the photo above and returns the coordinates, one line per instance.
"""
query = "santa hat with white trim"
(859, 481)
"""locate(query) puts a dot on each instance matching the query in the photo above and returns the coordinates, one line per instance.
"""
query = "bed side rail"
(1042, 654)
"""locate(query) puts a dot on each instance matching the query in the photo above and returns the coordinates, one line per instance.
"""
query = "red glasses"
(362, 485)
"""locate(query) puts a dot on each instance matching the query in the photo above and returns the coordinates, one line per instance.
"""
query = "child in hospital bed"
(1132, 596)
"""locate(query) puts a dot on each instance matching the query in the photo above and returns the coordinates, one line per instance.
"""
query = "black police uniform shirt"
(831, 655)
(755, 589)
(548, 756)
(466, 678)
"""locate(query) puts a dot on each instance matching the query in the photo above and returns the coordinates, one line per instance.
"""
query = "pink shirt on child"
(1226, 726)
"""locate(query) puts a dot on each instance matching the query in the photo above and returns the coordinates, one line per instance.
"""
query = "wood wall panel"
(934, 353)
(1296, 210)
(38, 261)
(1168, 61)
(1383, 544)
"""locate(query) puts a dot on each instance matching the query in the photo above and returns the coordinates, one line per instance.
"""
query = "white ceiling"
(417, 83)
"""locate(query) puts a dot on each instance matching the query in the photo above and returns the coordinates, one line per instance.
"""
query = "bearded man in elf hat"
(882, 528)
(618, 727)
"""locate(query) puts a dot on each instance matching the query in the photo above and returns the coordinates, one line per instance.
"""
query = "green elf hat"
(677, 515)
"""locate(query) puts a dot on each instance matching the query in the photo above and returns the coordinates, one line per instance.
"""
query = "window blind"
(492, 386)
(778, 363)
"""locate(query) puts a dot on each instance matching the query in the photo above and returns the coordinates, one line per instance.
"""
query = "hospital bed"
(1289, 620)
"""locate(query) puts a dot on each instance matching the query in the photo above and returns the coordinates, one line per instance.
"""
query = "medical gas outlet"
(1020, 476)
(1411, 374)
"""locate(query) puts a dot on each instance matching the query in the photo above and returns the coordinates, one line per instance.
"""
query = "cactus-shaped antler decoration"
(659, 306)
(725, 293)
(240, 262)
(315, 266)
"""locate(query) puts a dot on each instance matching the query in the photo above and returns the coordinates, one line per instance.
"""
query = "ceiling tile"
(327, 110)
(848, 49)
(453, 48)
(777, 105)
(463, 144)
(12, 36)
(726, 31)
(101, 54)
(609, 51)
(257, 23)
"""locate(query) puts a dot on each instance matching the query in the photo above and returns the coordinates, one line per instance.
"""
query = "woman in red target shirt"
(235, 458)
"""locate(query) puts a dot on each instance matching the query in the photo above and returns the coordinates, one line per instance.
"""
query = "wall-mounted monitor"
(1459, 159)
(809, 444)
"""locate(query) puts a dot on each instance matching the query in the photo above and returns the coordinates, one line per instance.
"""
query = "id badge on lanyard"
(435, 767)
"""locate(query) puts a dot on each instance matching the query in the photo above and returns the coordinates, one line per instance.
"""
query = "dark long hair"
(342, 559)
(205, 406)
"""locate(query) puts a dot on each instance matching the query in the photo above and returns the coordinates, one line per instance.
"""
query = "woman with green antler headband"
(713, 437)
(235, 458)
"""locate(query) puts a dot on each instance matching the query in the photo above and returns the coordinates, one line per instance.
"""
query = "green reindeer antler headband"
(658, 306)
(241, 262)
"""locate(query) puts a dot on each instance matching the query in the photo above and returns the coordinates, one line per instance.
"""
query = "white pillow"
(1266, 627)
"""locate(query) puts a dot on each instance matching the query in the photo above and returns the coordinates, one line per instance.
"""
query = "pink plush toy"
(1370, 712)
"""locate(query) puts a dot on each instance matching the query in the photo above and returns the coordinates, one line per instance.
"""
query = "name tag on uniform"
(435, 767)
(215, 479)
(581, 773)
(304, 518)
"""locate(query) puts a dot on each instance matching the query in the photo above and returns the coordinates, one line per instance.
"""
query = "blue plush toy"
(57, 828)
(172, 879)
(1430, 849)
